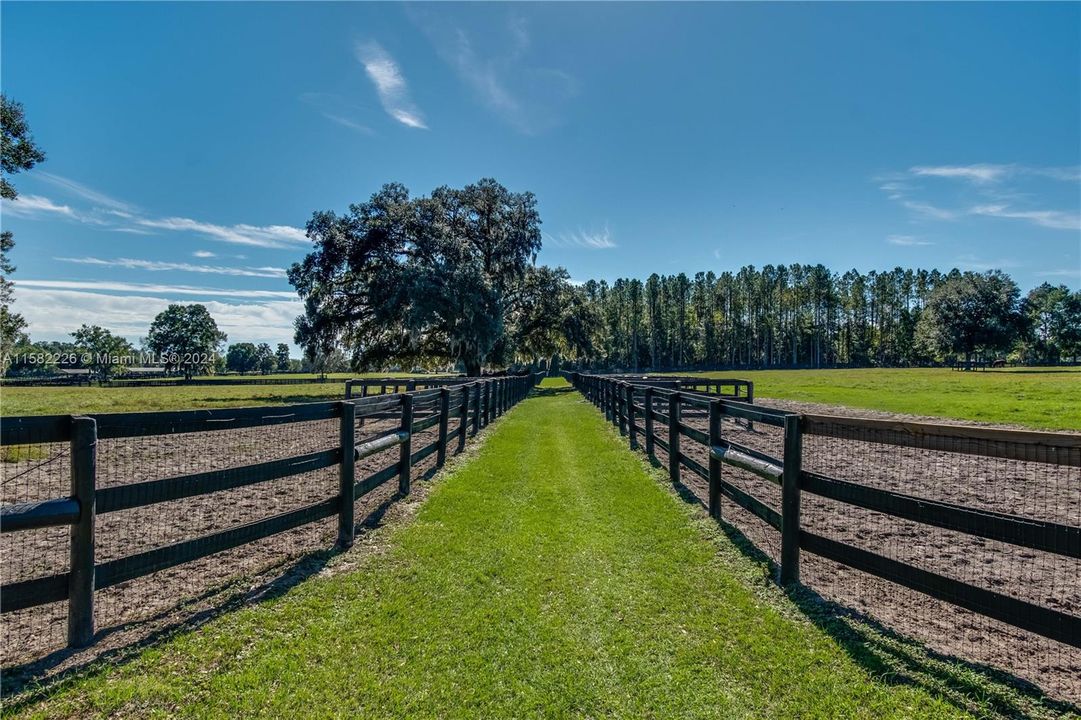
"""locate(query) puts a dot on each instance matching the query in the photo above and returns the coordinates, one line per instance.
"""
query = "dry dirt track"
(1028, 489)
(133, 610)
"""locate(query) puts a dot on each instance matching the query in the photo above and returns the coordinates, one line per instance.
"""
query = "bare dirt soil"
(1030, 489)
(32, 640)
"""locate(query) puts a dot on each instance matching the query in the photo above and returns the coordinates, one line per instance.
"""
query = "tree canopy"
(409, 279)
(185, 338)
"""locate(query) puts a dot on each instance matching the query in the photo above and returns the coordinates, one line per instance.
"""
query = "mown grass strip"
(552, 576)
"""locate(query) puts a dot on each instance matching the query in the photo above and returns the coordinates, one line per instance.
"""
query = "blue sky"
(188, 143)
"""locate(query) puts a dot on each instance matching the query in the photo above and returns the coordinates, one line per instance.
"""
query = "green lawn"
(74, 400)
(1046, 398)
(551, 576)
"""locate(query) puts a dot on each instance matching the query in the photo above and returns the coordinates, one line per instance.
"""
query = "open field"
(550, 576)
(1045, 398)
(75, 400)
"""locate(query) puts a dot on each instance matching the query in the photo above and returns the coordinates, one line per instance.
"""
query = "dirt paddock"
(31, 640)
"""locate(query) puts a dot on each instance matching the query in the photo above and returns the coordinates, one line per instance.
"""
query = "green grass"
(551, 576)
(16, 401)
(1045, 398)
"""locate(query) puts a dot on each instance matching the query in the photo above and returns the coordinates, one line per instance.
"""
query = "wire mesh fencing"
(965, 539)
(194, 511)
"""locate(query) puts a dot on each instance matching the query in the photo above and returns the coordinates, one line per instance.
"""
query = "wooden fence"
(637, 410)
(487, 398)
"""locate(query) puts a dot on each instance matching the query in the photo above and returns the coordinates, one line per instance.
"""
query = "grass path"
(551, 576)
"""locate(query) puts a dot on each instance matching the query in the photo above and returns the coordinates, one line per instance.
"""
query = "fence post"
(630, 417)
(790, 499)
(81, 579)
(463, 418)
(673, 436)
(621, 411)
(487, 403)
(406, 452)
(348, 389)
(476, 408)
(647, 406)
(714, 463)
(750, 400)
(347, 474)
(444, 420)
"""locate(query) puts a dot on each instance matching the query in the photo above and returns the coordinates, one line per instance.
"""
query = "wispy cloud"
(974, 262)
(527, 97)
(153, 289)
(390, 84)
(34, 206)
(930, 211)
(338, 110)
(160, 266)
(907, 240)
(589, 240)
(96, 198)
(115, 220)
(1056, 219)
(1008, 191)
(982, 173)
(1075, 273)
(267, 236)
(203, 254)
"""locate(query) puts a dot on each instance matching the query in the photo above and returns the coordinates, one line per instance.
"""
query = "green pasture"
(1044, 398)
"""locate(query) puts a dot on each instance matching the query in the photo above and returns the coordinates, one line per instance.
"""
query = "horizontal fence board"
(693, 466)
(122, 425)
(751, 504)
(125, 497)
(694, 434)
(1041, 620)
(39, 514)
(657, 439)
(123, 569)
(30, 593)
(1045, 447)
(424, 452)
(1035, 534)
(426, 423)
(32, 429)
(373, 481)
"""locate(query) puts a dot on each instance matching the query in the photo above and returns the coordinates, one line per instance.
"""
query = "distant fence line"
(471, 404)
(657, 417)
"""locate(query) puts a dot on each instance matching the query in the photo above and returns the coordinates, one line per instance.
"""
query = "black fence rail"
(363, 387)
(107, 455)
(982, 519)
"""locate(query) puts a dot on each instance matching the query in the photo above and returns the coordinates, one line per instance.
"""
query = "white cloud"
(1076, 273)
(98, 199)
(983, 173)
(1056, 219)
(56, 313)
(594, 240)
(973, 262)
(337, 109)
(153, 289)
(907, 240)
(390, 84)
(351, 124)
(930, 211)
(33, 206)
(267, 236)
(157, 266)
(526, 97)
(203, 254)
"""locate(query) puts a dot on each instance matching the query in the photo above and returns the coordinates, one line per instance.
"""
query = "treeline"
(809, 316)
